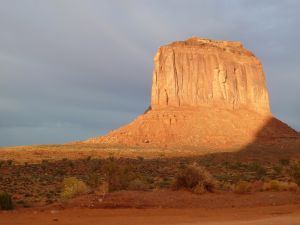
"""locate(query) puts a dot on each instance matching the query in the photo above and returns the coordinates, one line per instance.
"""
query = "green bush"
(73, 187)
(195, 178)
(6, 202)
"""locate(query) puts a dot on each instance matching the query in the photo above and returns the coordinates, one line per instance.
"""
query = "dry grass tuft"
(196, 179)
(73, 187)
(243, 187)
(275, 185)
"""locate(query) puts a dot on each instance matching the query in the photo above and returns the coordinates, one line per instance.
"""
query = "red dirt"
(275, 215)
(165, 207)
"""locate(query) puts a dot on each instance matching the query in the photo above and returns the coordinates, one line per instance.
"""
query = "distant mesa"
(204, 93)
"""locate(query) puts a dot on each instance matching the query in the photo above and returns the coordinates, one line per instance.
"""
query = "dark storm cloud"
(74, 69)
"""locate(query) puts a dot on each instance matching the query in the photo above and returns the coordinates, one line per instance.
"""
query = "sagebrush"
(6, 202)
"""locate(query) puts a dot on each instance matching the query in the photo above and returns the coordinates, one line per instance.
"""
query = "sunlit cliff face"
(201, 72)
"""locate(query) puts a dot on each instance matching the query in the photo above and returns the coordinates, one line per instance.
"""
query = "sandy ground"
(37, 153)
(272, 215)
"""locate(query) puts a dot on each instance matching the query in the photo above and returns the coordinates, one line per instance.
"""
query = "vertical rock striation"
(201, 72)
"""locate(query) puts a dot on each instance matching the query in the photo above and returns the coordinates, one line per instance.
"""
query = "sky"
(72, 69)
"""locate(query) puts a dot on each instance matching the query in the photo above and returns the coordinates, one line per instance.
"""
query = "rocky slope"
(204, 93)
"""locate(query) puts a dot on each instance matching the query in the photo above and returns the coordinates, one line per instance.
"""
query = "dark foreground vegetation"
(26, 185)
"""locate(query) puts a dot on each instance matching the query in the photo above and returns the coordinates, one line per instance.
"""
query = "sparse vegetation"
(44, 181)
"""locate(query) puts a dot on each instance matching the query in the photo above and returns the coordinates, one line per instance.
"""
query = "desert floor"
(22, 165)
(272, 215)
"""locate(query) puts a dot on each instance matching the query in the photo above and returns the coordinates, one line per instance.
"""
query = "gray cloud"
(74, 69)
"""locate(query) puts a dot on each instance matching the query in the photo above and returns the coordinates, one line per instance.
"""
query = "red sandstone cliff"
(204, 93)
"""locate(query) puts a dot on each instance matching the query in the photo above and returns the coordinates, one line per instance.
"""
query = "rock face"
(200, 72)
(204, 93)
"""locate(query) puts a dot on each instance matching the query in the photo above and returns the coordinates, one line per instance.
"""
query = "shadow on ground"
(274, 141)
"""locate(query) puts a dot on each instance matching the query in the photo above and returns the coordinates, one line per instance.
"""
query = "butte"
(205, 93)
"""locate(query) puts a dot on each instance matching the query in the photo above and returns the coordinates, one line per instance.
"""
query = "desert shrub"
(59, 172)
(139, 184)
(93, 180)
(140, 158)
(237, 166)
(194, 178)
(275, 185)
(295, 172)
(278, 169)
(199, 189)
(118, 176)
(258, 169)
(70, 163)
(166, 182)
(73, 187)
(284, 162)
(6, 202)
(225, 186)
(292, 186)
(23, 203)
(44, 164)
(94, 164)
(243, 187)
(9, 162)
